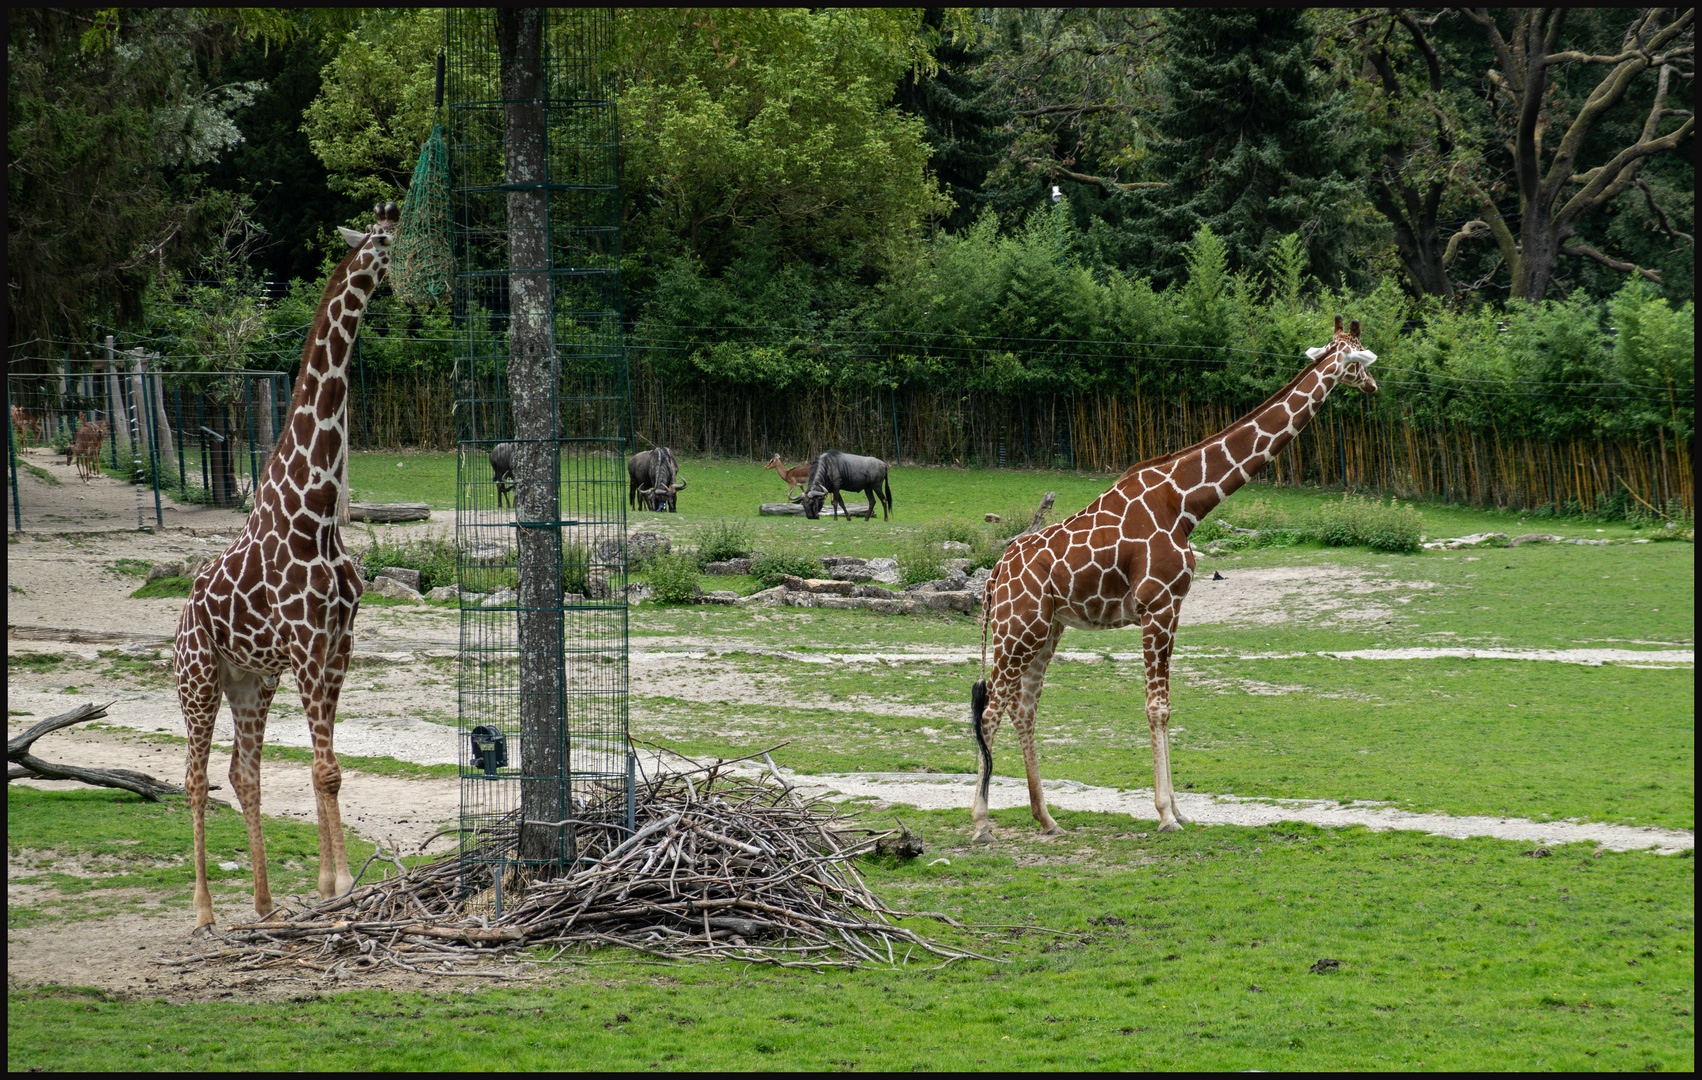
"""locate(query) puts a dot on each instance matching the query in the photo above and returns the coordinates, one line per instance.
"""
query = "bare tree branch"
(1083, 178)
(1475, 229)
(1666, 223)
(1591, 253)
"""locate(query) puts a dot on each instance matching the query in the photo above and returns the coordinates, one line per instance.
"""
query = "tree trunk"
(533, 378)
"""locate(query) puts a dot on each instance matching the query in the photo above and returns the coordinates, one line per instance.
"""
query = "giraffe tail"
(978, 709)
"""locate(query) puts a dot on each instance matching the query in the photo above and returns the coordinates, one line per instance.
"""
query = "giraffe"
(1125, 560)
(283, 596)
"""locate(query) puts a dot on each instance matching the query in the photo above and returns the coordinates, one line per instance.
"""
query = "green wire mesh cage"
(541, 417)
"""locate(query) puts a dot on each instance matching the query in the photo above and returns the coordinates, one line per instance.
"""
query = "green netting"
(422, 273)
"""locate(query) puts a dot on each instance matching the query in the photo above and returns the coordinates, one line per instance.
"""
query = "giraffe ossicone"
(284, 595)
(1125, 561)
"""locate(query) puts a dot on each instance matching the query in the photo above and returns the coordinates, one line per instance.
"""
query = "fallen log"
(389, 513)
(22, 765)
(795, 510)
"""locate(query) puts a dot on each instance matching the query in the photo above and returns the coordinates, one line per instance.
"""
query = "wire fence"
(867, 398)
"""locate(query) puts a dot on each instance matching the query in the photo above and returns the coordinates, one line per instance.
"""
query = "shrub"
(723, 540)
(768, 567)
(673, 576)
(1254, 514)
(1368, 523)
(1209, 530)
(435, 557)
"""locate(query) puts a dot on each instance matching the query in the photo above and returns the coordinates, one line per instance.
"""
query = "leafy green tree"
(1253, 144)
(756, 122)
(105, 146)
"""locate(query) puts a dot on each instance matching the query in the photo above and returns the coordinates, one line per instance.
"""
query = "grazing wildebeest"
(654, 476)
(835, 472)
(502, 468)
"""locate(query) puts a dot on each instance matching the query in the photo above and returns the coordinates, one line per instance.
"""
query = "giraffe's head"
(379, 239)
(1347, 357)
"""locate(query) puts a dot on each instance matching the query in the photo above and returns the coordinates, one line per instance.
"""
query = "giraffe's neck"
(1212, 470)
(309, 468)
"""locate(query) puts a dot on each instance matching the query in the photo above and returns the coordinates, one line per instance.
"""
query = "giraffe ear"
(1315, 352)
(1338, 324)
(355, 239)
(1353, 328)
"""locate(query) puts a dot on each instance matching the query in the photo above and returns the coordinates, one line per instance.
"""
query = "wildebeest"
(835, 472)
(502, 468)
(654, 476)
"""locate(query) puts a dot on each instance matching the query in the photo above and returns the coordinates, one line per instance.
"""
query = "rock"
(729, 566)
(1474, 540)
(639, 547)
(847, 568)
(873, 592)
(977, 584)
(164, 570)
(1535, 538)
(991, 519)
(828, 587)
(956, 564)
(451, 592)
(955, 547)
(637, 592)
(410, 578)
(719, 596)
(597, 585)
(955, 582)
(488, 551)
(884, 571)
(780, 510)
(1581, 540)
(390, 587)
(948, 601)
(502, 596)
(765, 598)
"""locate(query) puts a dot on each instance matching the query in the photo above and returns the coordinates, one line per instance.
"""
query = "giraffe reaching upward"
(283, 596)
(1125, 560)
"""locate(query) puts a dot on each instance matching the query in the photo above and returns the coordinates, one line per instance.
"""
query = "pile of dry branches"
(720, 867)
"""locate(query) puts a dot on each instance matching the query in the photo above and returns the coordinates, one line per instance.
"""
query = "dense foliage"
(1160, 204)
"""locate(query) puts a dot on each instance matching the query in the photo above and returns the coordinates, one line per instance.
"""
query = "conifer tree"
(1253, 144)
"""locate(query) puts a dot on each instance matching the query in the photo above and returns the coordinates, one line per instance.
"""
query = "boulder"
(955, 582)
(390, 587)
(828, 587)
(719, 596)
(884, 571)
(873, 592)
(502, 596)
(729, 566)
(452, 592)
(638, 547)
(410, 578)
(765, 598)
(955, 547)
(948, 601)
(1535, 538)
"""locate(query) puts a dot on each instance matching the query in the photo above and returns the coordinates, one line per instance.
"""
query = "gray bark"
(534, 372)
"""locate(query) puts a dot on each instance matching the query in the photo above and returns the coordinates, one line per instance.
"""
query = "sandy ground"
(64, 597)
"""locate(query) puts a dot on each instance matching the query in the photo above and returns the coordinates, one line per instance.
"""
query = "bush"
(768, 567)
(1366, 522)
(1254, 514)
(723, 540)
(435, 557)
(673, 576)
(1209, 530)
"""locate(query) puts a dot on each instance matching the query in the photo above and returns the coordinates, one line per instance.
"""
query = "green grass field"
(1176, 951)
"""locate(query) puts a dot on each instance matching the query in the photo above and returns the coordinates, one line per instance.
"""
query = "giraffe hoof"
(982, 836)
(1052, 834)
(1170, 827)
(204, 932)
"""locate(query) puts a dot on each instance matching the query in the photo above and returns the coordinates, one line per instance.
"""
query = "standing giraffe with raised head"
(283, 596)
(1125, 560)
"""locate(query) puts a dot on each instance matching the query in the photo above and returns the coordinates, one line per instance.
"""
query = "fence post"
(153, 429)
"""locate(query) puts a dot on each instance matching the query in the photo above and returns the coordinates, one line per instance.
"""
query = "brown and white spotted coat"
(283, 596)
(1125, 560)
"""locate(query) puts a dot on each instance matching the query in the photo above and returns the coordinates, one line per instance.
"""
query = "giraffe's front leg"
(198, 693)
(1158, 634)
(250, 695)
(321, 685)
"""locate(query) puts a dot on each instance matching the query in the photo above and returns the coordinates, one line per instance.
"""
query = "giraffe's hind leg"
(198, 693)
(250, 695)
(984, 721)
(1022, 719)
